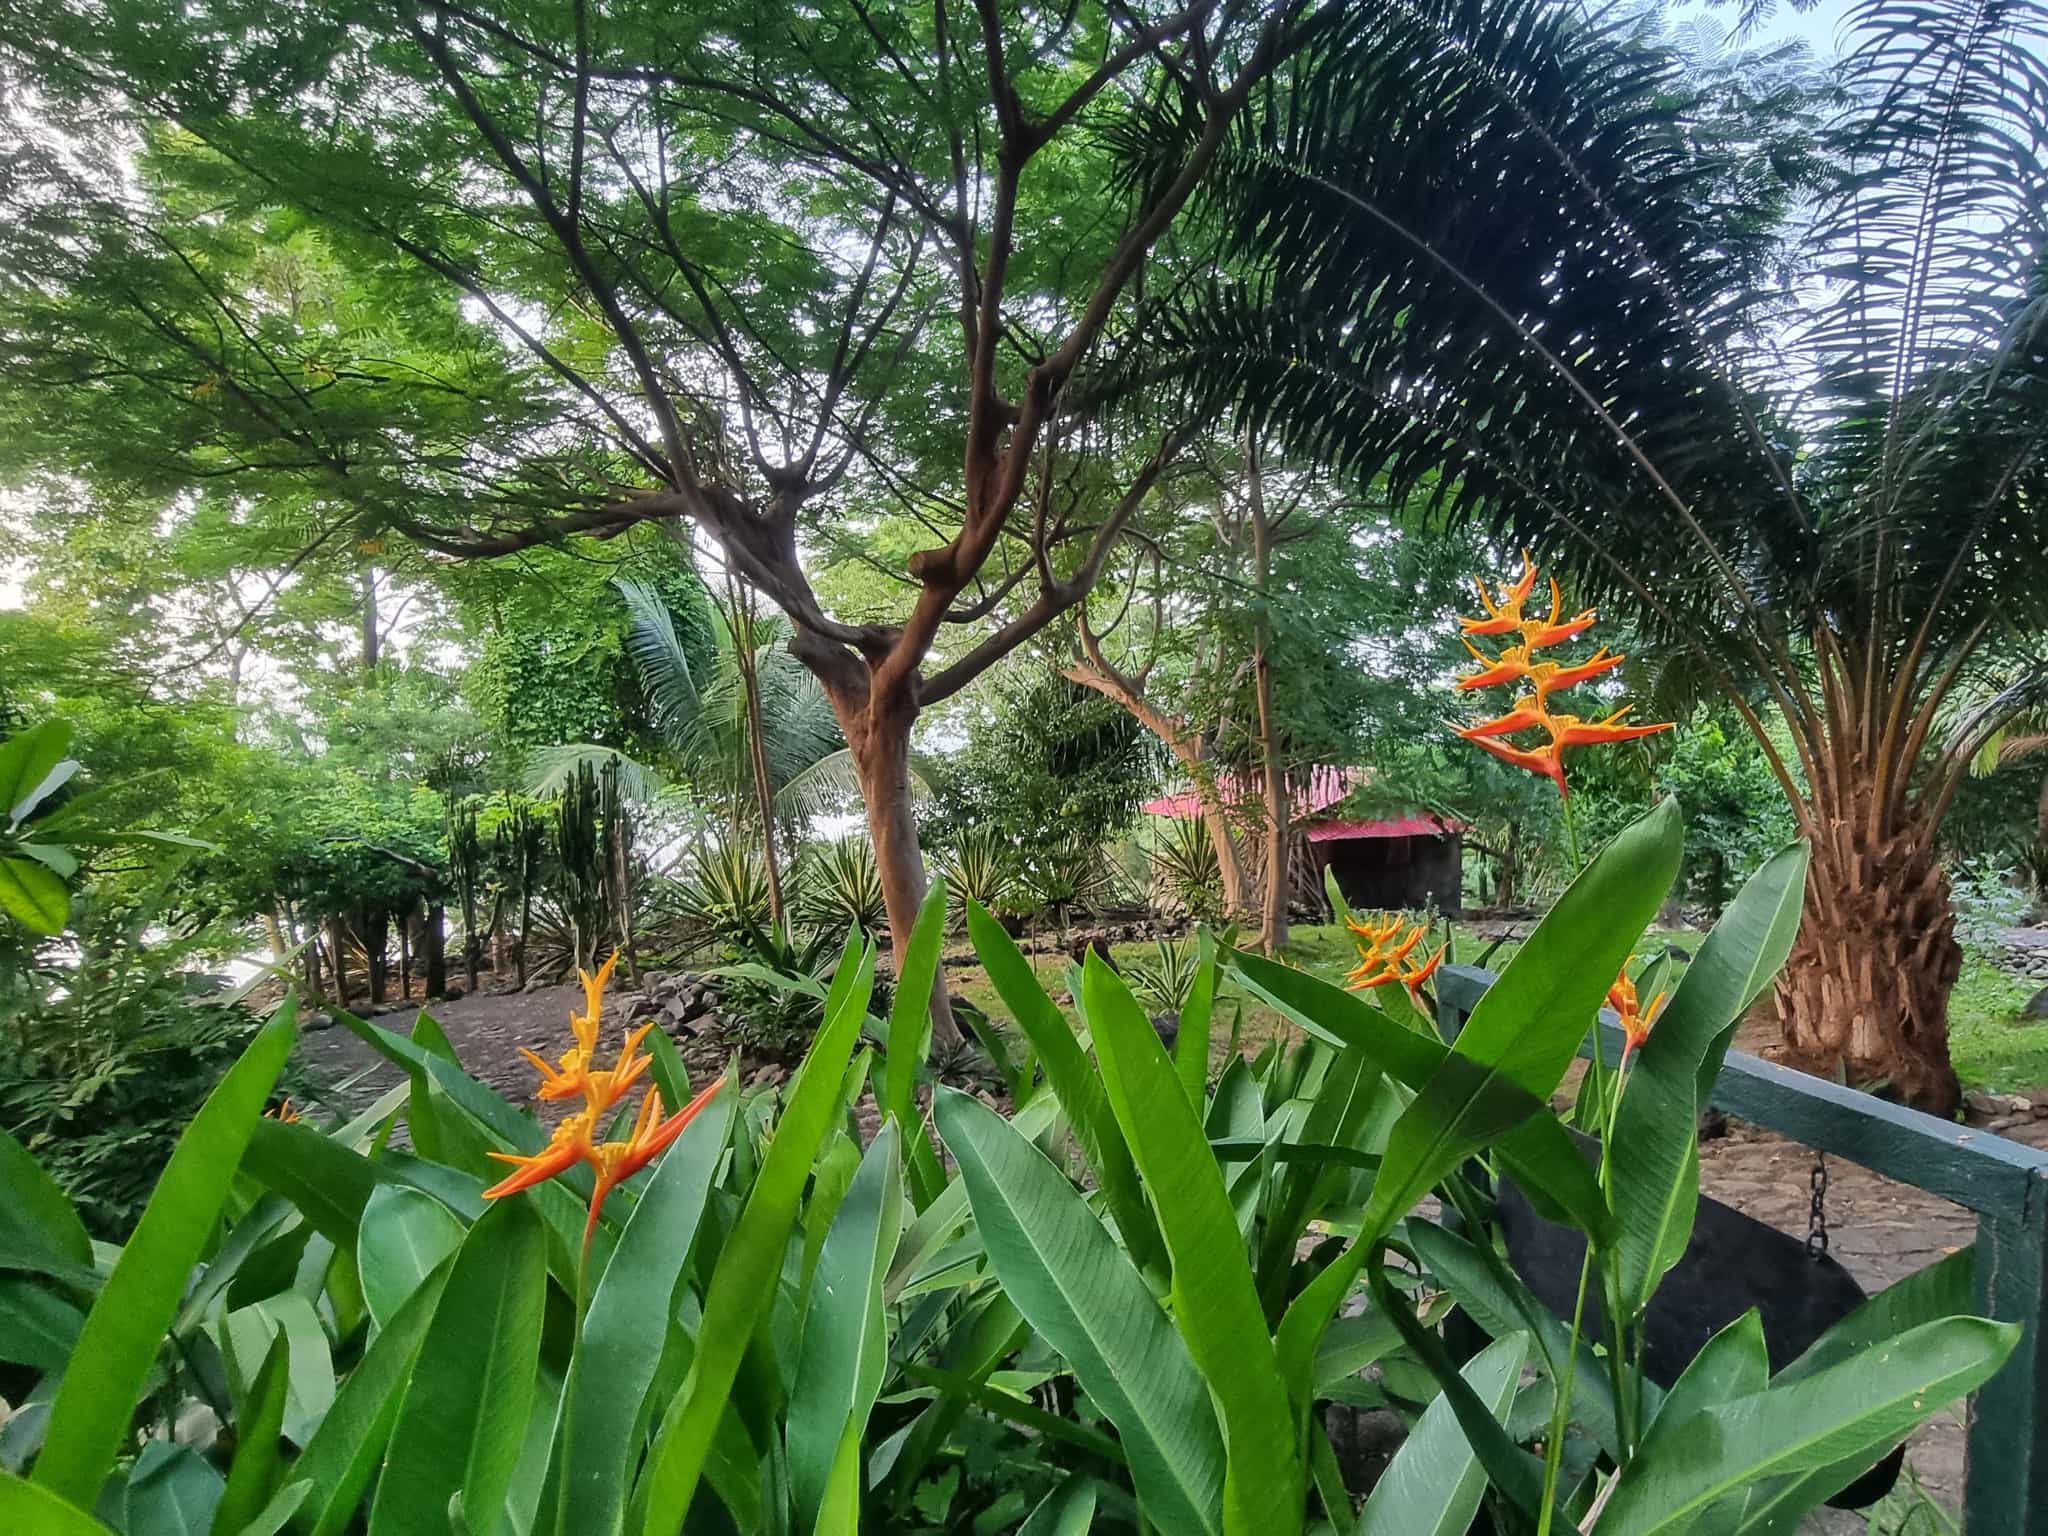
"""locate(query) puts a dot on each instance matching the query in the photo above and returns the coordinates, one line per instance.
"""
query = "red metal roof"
(1400, 826)
(1326, 787)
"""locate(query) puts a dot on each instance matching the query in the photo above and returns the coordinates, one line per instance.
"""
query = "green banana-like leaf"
(1077, 1289)
(1075, 1083)
(743, 1284)
(27, 1506)
(254, 1474)
(1839, 1412)
(465, 1409)
(1068, 1510)
(33, 895)
(1433, 1485)
(119, 1343)
(846, 1338)
(910, 1042)
(1197, 1016)
(1655, 1125)
(1540, 1154)
(619, 1351)
(1215, 1301)
(345, 1450)
(403, 1237)
(39, 1228)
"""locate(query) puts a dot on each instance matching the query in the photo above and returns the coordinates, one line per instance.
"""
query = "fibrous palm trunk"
(1866, 989)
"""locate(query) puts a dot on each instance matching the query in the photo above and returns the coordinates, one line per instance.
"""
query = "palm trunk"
(1865, 993)
(434, 939)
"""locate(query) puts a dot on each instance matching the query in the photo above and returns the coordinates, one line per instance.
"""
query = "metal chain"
(1817, 1215)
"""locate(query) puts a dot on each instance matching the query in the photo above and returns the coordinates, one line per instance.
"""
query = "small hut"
(1411, 861)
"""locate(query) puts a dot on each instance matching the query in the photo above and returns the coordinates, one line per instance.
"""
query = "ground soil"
(1880, 1230)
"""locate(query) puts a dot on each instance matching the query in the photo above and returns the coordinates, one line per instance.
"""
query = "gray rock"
(2036, 1007)
(313, 1022)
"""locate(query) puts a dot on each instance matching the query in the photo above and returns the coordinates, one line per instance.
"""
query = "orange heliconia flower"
(614, 1161)
(284, 1114)
(1383, 951)
(1504, 617)
(1635, 1019)
(574, 1140)
(1517, 665)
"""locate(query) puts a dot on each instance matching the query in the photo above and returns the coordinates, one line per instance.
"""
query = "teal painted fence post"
(2007, 1484)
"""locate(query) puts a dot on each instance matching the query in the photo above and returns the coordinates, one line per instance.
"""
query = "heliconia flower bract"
(1383, 951)
(1636, 1020)
(1518, 665)
(574, 1140)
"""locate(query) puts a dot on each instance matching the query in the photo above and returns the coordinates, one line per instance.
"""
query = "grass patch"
(1992, 1045)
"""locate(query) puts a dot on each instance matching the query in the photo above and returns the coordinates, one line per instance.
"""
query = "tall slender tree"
(1766, 367)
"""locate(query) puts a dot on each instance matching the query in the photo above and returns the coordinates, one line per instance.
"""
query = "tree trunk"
(434, 938)
(1186, 748)
(374, 936)
(880, 742)
(337, 954)
(1865, 992)
(405, 922)
(1279, 870)
(373, 634)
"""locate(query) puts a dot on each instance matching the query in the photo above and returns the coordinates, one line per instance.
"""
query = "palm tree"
(1763, 365)
(755, 736)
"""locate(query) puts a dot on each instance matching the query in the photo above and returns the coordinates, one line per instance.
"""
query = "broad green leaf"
(1075, 1082)
(1073, 1284)
(1942, 1289)
(245, 1337)
(126, 1325)
(39, 1230)
(254, 1474)
(27, 1506)
(1495, 1298)
(1528, 1026)
(1215, 1302)
(33, 896)
(1838, 1412)
(327, 1183)
(273, 1516)
(1655, 1127)
(616, 1360)
(1197, 1016)
(1069, 1510)
(172, 1491)
(744, 1281)
(345, 1450)
(1733, 1363)
(1540, 1154)
(846, 1336)
(1433, 1485)
(37, 1326)
(910, 1017)
(403, 1237)
(460, 1426)
(27, 758)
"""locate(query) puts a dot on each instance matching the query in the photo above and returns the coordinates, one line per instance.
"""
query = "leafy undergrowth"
(1994, 1047)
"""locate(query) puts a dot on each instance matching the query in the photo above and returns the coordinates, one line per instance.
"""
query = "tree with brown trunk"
(1528, 270)
(769, 269)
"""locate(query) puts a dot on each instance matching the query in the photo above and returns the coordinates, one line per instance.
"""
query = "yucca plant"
(841, 886)
(1166, 981)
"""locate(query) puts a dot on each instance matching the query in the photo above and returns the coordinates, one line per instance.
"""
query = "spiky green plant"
(840, 886)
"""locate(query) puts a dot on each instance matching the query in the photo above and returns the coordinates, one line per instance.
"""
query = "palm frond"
(551, 770)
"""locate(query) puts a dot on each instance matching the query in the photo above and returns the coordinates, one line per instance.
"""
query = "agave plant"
(981, 867)
(1165, 982)
(721, 894)
(841, 886)
(1185, 870)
